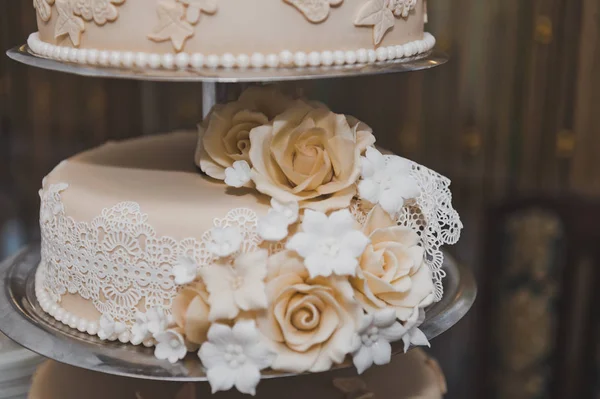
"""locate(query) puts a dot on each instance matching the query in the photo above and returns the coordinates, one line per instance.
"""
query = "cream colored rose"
(309, 322)
(190, 311)
(393, 272)
(309, 155)
(224, 135)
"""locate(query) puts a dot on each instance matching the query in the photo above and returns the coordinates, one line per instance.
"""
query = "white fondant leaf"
(376, 14)
(314, 10)
(68, 23)
(172, 26)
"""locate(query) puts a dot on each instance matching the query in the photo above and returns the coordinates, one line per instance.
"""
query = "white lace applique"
(43, 8)
(381, 15)
(117, 261)
(314, 10)
(100, 11)
(431, 215)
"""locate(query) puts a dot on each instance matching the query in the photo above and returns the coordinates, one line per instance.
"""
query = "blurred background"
(513, 119)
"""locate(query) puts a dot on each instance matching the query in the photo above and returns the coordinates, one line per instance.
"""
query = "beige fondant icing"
(239, 27)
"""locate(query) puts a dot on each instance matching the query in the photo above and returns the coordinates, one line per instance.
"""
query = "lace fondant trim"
(127, 59)
(117, 261)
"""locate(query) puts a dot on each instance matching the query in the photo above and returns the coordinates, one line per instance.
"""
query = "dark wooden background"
(513, 119)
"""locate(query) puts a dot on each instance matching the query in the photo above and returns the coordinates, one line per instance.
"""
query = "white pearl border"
(60, 314)
(127, 59)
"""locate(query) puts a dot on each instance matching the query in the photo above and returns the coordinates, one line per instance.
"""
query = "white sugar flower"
(170, 346)
(225, 241)
(288, 209)
(372, 343)
(237, 287)
(329, 244)
(234, 357)
(412, 334)
(149, 324)
(273, 226)
(238, 175)
(386, 180)
(110, 329)
(185, 270)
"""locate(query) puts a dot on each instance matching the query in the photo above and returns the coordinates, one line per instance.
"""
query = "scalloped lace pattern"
(431, 215)
(117, 261)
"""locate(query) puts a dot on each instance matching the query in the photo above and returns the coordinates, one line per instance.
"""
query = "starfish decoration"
(195, 7)
(172, 26)
(68, 23)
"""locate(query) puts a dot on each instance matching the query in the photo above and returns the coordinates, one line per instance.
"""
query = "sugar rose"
(190, 311)
(393, 273)
(224, 135)
(309, 322)
(309, 155)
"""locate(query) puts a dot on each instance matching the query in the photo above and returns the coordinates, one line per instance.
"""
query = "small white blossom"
(273, 226)
(170, 346)
(372, 342)
(110, 329)
(185, 270)
(412, 335)
(225, 241)
(148, 324)
(329, 244)
(386, 180)
(235, 356)
(236, 287)
(288, 209)
(238, 175)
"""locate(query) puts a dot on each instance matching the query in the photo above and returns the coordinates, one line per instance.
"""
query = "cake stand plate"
(24, 321)
(426, 60)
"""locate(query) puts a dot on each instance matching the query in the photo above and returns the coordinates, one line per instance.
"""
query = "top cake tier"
(229, 33)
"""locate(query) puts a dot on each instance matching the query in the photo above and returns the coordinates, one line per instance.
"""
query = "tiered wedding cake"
(229, 33)
(292, 244)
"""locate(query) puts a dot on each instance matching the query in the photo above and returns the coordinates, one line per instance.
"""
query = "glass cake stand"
(423, 61)
(24, 321)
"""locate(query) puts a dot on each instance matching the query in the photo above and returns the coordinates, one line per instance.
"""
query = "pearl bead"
(141, 60)
(82, 325)
(257, 60)
(56, 52)
(128, 59)
(154, 61)
(92, 328)
(286, 58)
(408, 49)
(65, 317)
(371, 56)
(228, 60)
(103, 58)
(168, 61)
(148, 343)
(391, 53)
(64, 53)
(338, 57)
(243, 61)
(124, 337)
(381, 54)
(300, 59)
(53, 309)
(212, 61)
(58, 315)
(73, 321)
(197, 60)
(350, 57)
(92, 57)
(272, 60)
(73, 54)
(362, 56)
(82, 56)
(399, 51)
(314, 58)
(115, 59)
(327, 58)
(182, 60)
